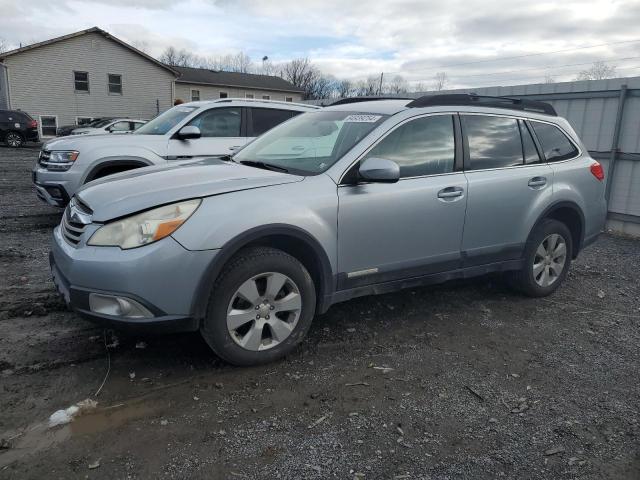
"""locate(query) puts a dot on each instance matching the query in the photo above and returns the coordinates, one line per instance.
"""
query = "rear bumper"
(163, 277)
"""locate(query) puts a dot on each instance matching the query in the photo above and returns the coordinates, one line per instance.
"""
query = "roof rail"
(345, 101)
(259, 100)
(483, 101)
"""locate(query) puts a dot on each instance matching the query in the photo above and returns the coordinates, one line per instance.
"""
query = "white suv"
(190, 130)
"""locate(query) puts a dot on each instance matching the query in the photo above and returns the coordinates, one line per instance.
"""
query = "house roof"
(84, 32)
(202, 76)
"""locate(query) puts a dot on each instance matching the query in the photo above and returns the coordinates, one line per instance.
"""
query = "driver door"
(392, 231)
(223, 131)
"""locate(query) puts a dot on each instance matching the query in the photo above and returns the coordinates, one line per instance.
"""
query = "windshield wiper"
(265, 166)
(226, 158)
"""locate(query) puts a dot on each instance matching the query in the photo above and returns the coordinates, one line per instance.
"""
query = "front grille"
(43, 159)
(71, 230)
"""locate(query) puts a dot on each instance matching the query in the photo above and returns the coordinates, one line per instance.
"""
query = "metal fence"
(606, 115)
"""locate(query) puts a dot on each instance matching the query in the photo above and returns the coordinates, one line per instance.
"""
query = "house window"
(288, 99)
(248, 95)
(82, 121)
(195, 95)
(115, 84)
(49, 125)
(224, 94)
(266, 97)
(81, 81)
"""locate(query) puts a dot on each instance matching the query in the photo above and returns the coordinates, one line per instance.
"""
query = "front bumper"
(163, 277)
(53, 188)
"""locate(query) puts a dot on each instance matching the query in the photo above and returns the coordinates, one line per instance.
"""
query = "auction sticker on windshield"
(363, 118)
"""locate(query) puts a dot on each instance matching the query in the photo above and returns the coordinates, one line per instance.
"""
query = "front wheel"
(260, 307)
(14, 140)
(547, 258)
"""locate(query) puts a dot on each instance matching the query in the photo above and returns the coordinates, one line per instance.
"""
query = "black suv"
(17, 127)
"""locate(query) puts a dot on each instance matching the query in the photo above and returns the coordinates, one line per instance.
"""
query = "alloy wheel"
(13, 140)
(549, 260)
(264, 311)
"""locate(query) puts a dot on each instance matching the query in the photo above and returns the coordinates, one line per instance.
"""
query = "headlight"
(61, 160)
(144, 228)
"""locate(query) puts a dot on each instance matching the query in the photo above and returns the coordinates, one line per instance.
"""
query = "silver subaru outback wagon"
(355, 199)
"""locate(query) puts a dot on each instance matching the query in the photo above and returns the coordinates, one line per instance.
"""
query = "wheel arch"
(291, 239)
(572, 216)
(132, 162)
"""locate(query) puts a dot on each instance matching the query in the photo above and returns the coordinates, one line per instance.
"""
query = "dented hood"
(144, 188)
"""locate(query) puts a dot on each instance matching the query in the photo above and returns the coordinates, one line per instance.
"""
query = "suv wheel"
(13, 139)
(546, 260)
(260, 308)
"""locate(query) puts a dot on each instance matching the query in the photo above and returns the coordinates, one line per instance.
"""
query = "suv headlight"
(144, 228)
(61, 160)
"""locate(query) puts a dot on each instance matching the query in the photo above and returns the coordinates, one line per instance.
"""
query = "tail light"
(597, 171)
(32, 124)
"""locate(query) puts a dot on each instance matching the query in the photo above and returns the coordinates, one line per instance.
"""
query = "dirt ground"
(460, 381)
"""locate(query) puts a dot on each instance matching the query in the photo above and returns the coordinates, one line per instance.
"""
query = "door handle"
(450, 193)
(537, 182)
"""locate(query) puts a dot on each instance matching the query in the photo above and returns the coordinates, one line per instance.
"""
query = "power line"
(543, 68)
(535, 54)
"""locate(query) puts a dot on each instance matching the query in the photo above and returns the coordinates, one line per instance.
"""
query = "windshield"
(310, 143)
(165, 121)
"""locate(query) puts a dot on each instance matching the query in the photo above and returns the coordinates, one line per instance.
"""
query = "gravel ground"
(464, 380)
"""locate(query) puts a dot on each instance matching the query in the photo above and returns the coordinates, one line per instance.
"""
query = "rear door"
(223, 131)
(508, 186)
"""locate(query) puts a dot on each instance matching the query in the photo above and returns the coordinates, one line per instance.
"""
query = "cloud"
(354, 39)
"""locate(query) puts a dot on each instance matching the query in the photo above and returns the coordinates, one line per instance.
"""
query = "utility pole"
(380, 87)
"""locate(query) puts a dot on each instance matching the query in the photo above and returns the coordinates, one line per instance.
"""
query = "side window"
(219, 122)
(263, 119)
(120, 127)
(425, 146)
(136, 125)
(555, 144)
(528, 145)
(494, 142)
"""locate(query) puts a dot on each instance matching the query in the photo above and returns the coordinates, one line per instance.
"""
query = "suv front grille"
(43, 159)
(73, 230)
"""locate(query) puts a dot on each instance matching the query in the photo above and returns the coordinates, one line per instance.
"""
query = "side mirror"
(189, 132)
(379, 170)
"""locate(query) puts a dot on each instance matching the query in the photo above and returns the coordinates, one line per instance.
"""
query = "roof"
(85, 32)
(202, 76)
(385, 107)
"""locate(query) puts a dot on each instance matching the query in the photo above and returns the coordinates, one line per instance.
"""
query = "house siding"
(210, 92)
(41, 80)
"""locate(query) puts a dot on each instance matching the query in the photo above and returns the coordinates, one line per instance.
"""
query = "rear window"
(555, 144)
(494, 142)
(263, 119)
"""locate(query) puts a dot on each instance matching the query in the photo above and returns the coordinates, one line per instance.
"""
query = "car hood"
(144, 188)
(88, 141)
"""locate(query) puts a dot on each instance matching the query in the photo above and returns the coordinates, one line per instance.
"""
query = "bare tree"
(4, 46)
(440, 81)
(419, 87)
(598, 71)
(397, 85)
(549, 79)
(179, 58)
(344, 88)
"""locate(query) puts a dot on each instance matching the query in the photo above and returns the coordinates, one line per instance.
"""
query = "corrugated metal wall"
(593, 108)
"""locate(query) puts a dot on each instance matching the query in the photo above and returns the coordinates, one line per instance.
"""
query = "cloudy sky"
(477, 43)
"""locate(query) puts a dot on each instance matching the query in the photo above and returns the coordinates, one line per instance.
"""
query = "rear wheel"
(547, 258)
(13, 139)
(260, 308)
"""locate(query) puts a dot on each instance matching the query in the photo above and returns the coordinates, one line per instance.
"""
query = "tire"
(530, 280)
(13, 140)
(243, 329)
